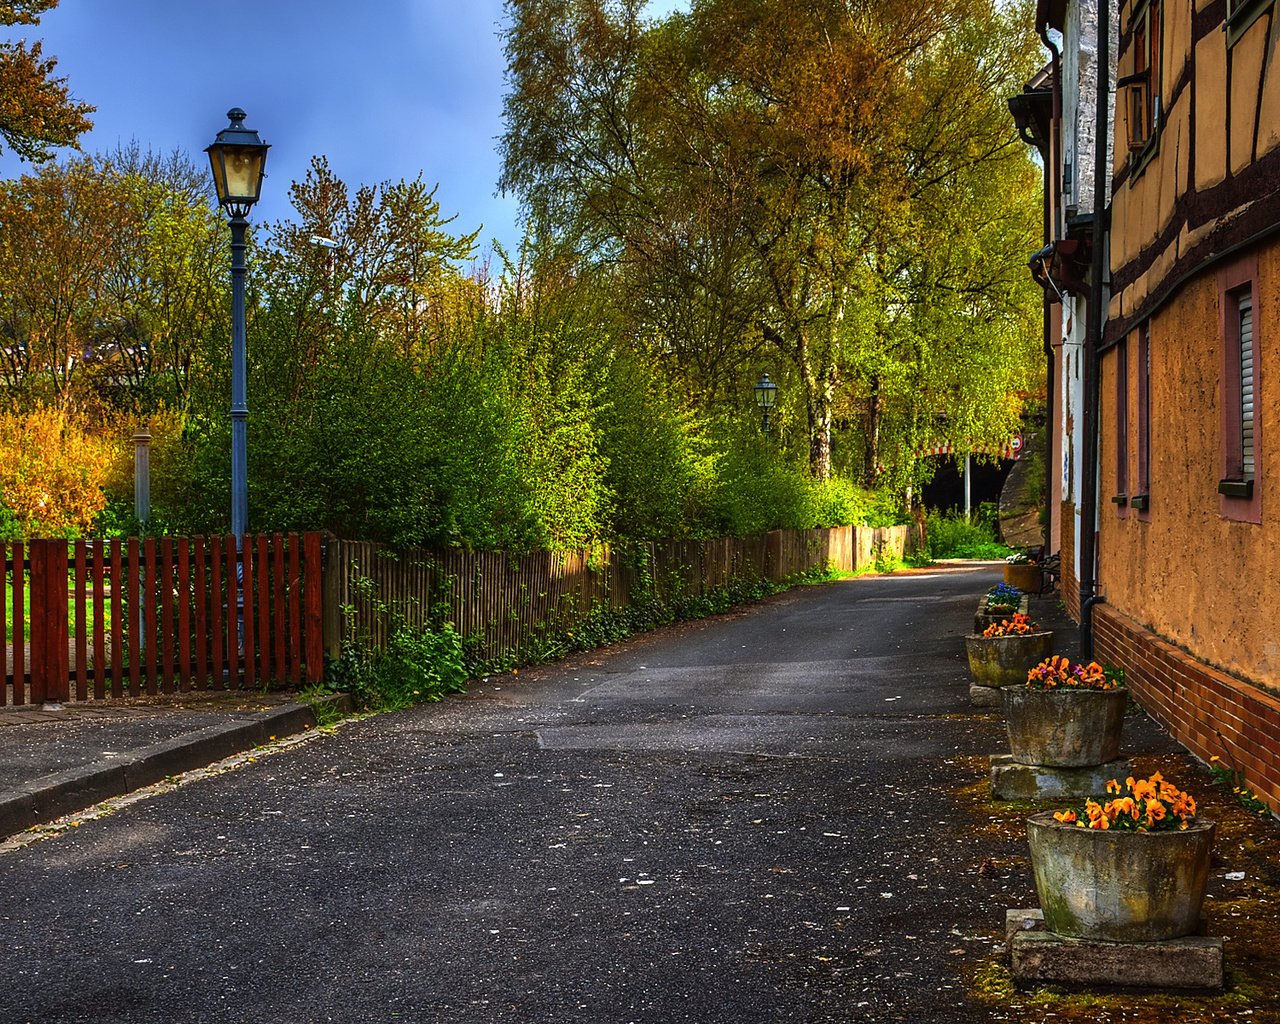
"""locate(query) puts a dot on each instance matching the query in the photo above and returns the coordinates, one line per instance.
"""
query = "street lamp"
(766, 396)
(239, 159)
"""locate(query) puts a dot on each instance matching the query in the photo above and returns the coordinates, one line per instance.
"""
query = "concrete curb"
(51, 796)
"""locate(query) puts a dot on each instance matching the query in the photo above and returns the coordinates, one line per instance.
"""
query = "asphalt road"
(752, 818)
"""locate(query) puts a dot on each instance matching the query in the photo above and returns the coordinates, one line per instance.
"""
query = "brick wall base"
(1207, 711)
(1068, 585)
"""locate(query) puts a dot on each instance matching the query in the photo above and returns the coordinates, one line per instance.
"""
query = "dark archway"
(946, 490)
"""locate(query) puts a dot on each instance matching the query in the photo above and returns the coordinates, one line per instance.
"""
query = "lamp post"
(766, 396)
(238, 159)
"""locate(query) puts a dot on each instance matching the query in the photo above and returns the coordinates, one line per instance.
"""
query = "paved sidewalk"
(63, 758)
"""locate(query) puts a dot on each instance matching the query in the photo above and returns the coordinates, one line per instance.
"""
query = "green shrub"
(885, 508)
(415, 666)
(954, 535)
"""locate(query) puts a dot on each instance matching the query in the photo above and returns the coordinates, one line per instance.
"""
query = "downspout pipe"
(1053, 159)
(1093, 337)
(1052, 183)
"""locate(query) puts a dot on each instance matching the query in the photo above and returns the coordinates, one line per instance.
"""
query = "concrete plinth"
(1016, 921)
(985, 696)
(1011, 780)
(1194, 962)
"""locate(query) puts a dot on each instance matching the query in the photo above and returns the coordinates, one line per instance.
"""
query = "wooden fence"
(109, 618)
(505, 603)
(99, 619)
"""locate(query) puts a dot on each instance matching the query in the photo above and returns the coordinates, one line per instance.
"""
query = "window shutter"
(1246, 385)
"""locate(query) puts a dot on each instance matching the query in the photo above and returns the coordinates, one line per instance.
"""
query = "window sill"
(1141, 502)
(1236, 488)
(1120, 499)
(1139, 158)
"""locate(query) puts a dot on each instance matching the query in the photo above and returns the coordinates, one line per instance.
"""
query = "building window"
(1121, 496)
(1240, 447)
(1141, 499)
(1142, 85)
(1240, 15)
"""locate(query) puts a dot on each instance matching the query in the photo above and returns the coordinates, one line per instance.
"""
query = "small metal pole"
(142, 475)
(968, 503)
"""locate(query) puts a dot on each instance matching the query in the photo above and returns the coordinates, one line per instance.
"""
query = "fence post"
(142, 475)
(318, 568)
(332, 574)
(50, 663)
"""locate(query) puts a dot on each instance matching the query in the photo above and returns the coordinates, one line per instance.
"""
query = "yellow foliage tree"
(52, 472)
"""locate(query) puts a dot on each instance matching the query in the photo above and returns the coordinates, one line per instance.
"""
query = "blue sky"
(385, 88)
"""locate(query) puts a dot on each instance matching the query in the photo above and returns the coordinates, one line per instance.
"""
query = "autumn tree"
(944, 343)
(164, 287)
(381, 260)
(37, 112)
(111, 275)
(54, 252)
(757, 170)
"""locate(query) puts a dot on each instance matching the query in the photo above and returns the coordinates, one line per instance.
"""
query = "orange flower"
(1151, 804)
(1057, 670)
(1155, 811)
(1019, 625)
(1124, 806)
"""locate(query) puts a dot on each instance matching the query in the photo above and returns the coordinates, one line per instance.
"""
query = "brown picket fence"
(502, 603)
(112, 618)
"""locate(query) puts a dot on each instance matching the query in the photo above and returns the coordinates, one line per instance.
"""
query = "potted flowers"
(1130, 868)
(1005, 650)
(1021, 571)
(1000, 602)
(1066, 716)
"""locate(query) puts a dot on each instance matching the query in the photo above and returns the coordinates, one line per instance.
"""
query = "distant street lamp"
(766, 396)
(239, 159)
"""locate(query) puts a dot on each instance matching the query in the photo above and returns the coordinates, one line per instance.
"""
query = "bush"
(657, 469)
(416, 664)
(52, 471)
(954, 535)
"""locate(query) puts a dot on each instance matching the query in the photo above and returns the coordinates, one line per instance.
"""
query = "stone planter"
(983, 618)
(1064, 728)
(1024, 577)
(1006, 660)
(1120, 886)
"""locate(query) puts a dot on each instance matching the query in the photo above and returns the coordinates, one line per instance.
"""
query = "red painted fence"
(110, 618)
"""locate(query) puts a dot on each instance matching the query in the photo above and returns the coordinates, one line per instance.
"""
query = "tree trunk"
(871, 453)
(820, 429)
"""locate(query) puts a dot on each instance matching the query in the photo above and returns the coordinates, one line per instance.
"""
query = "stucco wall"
(1208, 584)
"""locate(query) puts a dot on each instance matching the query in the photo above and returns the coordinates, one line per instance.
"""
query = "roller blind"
(1246, 385)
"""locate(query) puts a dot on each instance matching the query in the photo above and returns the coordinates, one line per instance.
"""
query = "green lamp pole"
(238, 159)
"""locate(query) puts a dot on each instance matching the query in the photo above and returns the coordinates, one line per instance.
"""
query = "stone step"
(1193, 962)
(1011, 780)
